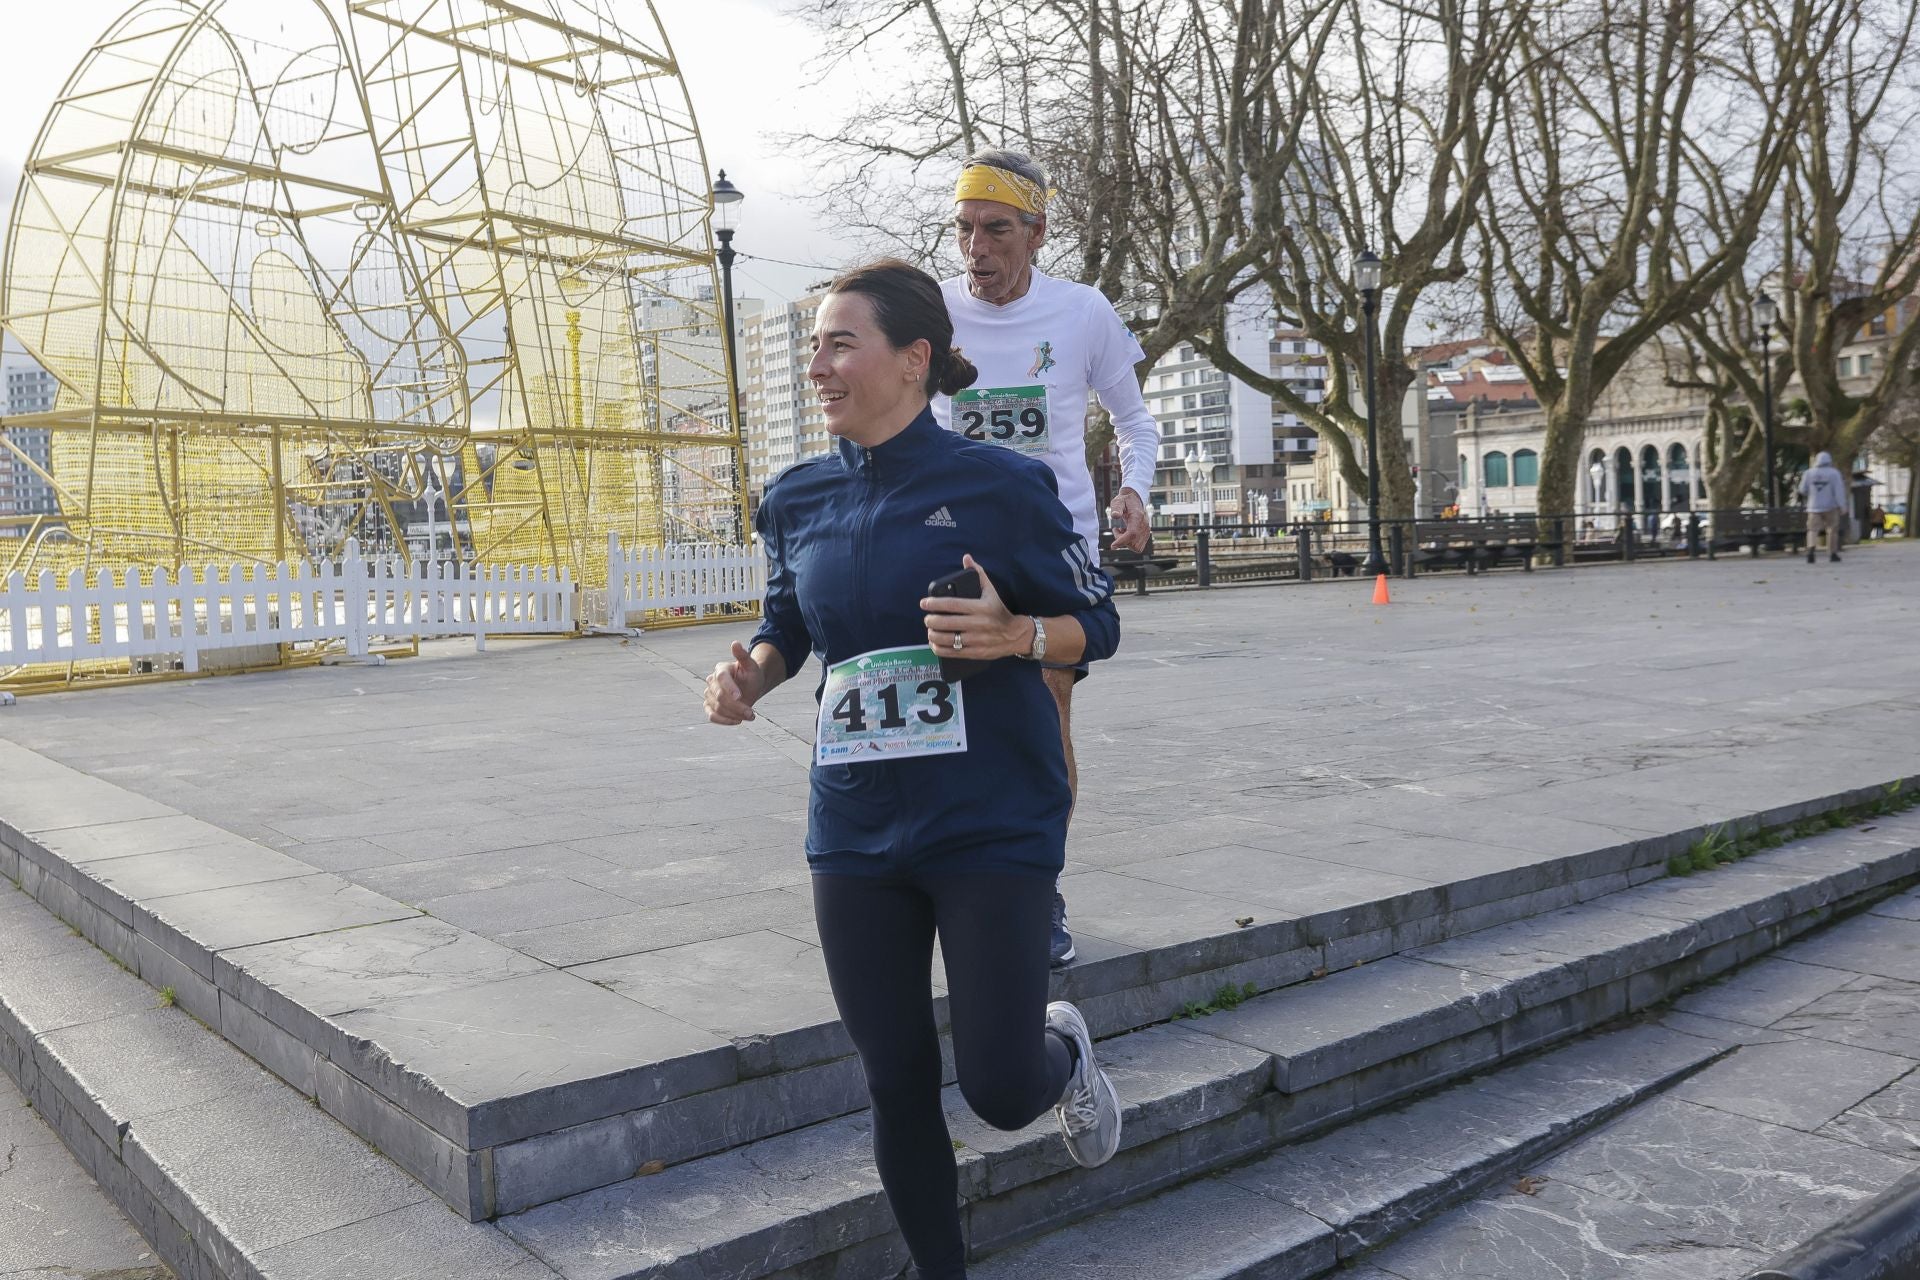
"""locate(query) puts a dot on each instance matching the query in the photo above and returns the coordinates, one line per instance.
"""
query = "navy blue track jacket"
(852, 540)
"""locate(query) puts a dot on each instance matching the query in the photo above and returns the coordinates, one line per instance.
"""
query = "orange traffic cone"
(1380, 595)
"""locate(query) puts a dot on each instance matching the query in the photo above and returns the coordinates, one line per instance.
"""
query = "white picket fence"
(359, 600)
(689, 578)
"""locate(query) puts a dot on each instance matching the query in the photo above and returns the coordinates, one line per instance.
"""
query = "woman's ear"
(919, 355)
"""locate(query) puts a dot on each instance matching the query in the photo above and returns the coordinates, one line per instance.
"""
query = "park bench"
(1474, 545)
(1512, 540)
(1128, 566)
(1735, 529)
(1440, 544)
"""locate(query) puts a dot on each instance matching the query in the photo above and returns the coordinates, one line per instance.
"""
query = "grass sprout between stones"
(1227, 997)
(1722, 845)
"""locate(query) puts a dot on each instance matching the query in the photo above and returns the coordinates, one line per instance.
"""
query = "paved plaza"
(616, 966)
(1259, 752)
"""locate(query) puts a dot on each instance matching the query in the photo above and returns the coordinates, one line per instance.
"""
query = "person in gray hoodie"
(1825, 490)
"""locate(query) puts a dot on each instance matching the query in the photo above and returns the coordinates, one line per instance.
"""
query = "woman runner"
(939, 805)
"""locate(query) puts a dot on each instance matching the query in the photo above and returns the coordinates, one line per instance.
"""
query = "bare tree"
(1712, 354)
(1587, 249)
(1840, 254)
(1176, 129)
(1851, 224)
(1899, 437)
(1396, 159)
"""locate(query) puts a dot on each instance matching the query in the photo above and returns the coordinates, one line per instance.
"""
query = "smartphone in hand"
(963, 584)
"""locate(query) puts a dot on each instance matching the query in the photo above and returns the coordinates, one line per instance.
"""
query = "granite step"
(1212, 1091)
(232, 1173)
(227, 1171)
(1314, 1205)
(460, 1058)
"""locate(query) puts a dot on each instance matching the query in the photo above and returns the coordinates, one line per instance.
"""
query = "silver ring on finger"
(956, 645)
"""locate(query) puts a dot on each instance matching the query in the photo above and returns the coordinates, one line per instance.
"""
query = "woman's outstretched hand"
(959, 628)
(734, 687)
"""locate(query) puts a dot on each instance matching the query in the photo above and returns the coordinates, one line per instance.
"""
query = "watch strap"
(1038, 651)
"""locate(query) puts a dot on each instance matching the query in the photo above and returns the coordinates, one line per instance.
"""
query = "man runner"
(1042, 346)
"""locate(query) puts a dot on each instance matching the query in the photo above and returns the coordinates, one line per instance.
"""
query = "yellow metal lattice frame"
(433, 274)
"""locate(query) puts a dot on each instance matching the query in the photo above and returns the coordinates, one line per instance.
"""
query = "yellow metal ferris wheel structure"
(433, 274)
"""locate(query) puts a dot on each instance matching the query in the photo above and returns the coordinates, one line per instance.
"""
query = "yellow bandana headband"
(984, 182)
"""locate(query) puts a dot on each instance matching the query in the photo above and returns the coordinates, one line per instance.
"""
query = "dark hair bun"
(909, 308)
(956, 373)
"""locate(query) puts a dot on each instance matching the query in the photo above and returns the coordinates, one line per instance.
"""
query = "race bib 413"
(889, 704)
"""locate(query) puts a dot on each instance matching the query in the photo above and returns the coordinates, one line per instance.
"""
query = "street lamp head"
(1366, 272)
(726, 197)
(1765, 312)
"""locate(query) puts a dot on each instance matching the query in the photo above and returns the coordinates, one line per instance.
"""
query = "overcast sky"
(738, 57)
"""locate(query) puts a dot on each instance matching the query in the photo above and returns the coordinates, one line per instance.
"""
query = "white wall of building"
(783, 419)
(29, 389)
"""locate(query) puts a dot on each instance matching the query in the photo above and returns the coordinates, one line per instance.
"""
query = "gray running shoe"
(1089, 1111)
(1059, 941)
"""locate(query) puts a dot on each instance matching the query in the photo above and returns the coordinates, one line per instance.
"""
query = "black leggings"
(878, 937)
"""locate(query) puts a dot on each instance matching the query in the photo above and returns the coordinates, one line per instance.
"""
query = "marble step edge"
(729, 1113)
(766, 1084)
(1216, 1132)
(1495, 978)
(227, 1171)
(1880, 1238)
(1300, 1212)
(807, 1201)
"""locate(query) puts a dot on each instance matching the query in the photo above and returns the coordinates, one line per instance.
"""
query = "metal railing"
(1305, 550)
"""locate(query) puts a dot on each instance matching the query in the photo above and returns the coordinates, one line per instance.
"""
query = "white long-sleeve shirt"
(1040, 358)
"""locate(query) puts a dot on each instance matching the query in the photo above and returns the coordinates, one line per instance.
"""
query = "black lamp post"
(1366, 276)
(1765, 313)
(725, 197)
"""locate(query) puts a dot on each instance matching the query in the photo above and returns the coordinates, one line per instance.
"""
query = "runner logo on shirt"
(1042, 360)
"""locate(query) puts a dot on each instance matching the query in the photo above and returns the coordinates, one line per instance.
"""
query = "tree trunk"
(1560, 458)
(1396, 474)
(1732, 478)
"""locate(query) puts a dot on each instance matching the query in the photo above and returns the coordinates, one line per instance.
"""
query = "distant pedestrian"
(1825, 490)
(940, 797)
(1877, 522)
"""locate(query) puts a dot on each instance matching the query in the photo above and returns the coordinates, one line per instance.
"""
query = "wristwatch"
(1039, 651)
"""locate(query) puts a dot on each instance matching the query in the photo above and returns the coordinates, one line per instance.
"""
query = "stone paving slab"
(1799, 1083)
(1566, 1232)
(54, 1218)
(226, 1171)
(1888, 1122)
(1814, 1110)
(1869, 1012)
(1734, 1181)
(1291, 1215)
